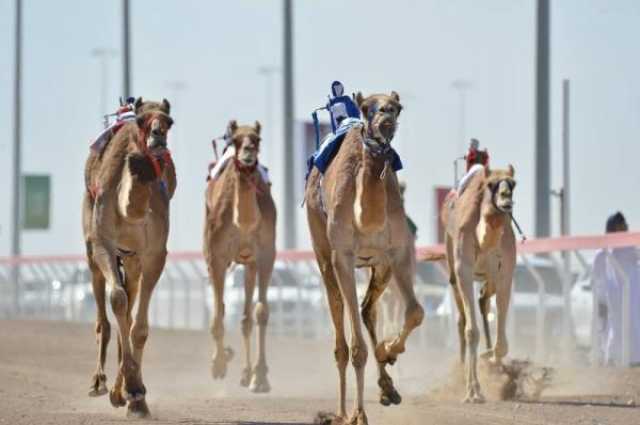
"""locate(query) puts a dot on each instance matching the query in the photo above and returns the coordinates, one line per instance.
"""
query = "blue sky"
(414, 47)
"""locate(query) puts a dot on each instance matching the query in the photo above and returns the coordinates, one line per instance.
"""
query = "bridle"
(494, 193)
(376, 148)
(143, 135)
(248, 171)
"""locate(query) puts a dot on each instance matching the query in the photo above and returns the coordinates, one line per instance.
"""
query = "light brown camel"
(480, 245)
(357, 219)
(240, 225)
(125, 218)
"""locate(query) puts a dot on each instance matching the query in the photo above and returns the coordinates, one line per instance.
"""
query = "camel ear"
(359, 98)
(511, 171)
(232, 127)
(395, 96)
(166, 106)
(258, 127)
(138, 103)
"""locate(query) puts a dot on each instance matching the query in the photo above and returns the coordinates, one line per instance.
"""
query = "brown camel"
(125, 217)
(480, 245)
(240, 225)
(357, 219)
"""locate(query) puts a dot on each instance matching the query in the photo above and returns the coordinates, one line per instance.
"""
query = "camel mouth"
(506, 206)
(387, 129)
(248, 160)
(157, 141)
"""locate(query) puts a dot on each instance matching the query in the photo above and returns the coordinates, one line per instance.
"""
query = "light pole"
(290, 236)
(126, 50)
(176, 88)
(461, 86)
(103, 54)
(268, 72)
(17, 157)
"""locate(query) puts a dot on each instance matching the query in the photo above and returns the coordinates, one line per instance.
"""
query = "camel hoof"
(99, 386)
(116, 399)
(245, 380)
(359, 418)
(259, 384)
(387, 398)
(324, 418)
(219, 363)
(138, 410)
(474, 399)
(487, 355)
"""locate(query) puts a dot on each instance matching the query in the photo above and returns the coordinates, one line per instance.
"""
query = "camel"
(480, 245)
(240, 225)
(356, 219)
(125, 218)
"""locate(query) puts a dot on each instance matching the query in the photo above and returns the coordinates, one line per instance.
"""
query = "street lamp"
(103, 54)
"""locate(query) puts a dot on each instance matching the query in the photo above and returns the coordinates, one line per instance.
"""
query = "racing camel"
(480, 245)
(125, 217)
(357, 219)
(240, 226)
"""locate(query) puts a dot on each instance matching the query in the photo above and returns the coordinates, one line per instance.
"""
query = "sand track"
(45, 369)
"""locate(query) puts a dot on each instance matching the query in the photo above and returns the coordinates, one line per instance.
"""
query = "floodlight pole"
(17, 158)
(126, 51)
(290, 237)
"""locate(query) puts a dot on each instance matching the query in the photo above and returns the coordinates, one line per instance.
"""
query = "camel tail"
(433, 256)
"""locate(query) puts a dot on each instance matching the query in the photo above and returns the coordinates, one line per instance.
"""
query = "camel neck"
(371, 195)
(490, 226)
(245, 205)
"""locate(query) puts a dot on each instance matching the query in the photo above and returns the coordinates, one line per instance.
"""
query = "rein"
(143, 135)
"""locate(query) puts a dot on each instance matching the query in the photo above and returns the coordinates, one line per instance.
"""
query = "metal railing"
(542, 322)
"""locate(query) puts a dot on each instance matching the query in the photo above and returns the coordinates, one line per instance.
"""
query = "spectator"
(608, 287)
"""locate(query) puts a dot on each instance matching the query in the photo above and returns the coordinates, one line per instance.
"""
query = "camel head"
(380, 113)
(246, 140)
(154, 120)
(499, 186)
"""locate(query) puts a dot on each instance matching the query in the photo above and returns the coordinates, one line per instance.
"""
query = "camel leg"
(128, 379)
(484, 302)
(379, 279)
(462, 322)
(103, 328)
(259, 381)
(402, 268)
(456, 296)
(247, 320)
(222, 355)
(343, 264)
(503, 297)
(151, 269)
(341, 351)
(464, 255)
(104, 256)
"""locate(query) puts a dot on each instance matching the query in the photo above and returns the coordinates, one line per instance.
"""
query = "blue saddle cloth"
(331, 143)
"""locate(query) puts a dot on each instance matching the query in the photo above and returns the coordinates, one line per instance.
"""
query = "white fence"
(551, 312)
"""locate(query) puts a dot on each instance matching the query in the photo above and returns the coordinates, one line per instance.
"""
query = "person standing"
(608, 287)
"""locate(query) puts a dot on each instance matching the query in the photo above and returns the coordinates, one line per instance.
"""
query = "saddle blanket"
(331, 143)
(101, 140)
(226, 156)
(464, 181)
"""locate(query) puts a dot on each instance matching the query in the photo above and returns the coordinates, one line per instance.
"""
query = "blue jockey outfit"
(345, 115)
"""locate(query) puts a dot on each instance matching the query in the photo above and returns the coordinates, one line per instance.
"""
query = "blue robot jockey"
(344, 115)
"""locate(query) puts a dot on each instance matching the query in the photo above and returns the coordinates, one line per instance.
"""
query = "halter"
(249, 172)
(494, 192)
(143, 135)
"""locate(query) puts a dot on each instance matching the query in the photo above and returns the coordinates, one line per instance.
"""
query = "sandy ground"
(45, 369)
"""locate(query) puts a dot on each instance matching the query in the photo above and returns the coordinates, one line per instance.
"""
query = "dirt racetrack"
(45, 369)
